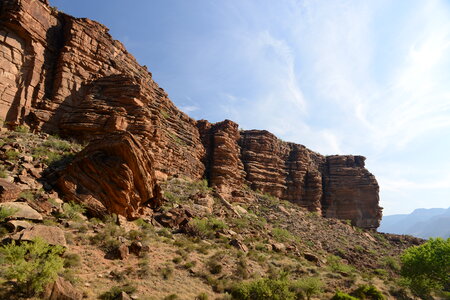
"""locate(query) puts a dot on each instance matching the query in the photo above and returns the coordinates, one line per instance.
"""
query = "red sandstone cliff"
(64, 75)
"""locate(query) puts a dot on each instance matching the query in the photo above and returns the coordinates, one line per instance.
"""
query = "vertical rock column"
(351, 192)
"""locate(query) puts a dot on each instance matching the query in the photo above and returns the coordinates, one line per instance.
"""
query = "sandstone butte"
(68, 76)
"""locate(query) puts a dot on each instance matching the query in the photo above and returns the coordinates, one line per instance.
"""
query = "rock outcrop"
(113, 174)
(68, 76)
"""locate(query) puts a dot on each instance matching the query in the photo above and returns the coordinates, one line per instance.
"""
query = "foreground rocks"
(113, 174)
(68, 76)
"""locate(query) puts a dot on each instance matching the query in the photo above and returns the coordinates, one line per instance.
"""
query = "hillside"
(423, 223)
(109, 191)
(195, 243)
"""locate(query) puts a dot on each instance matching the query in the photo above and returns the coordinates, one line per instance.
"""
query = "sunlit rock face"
(67, 76)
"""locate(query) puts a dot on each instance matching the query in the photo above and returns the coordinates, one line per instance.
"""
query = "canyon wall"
(68, 76)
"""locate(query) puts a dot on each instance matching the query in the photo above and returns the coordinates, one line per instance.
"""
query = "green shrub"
(57, 144)
(281, 234)
(27, 195)
(336, 265)
(144, 269)
(21, 129)
(202, 296)
(263, 289)
(166, 271)
(426, 268)
(12, 155)
(115, 291)
(6, 212)
(214, 267)
(343, 296)
(391, 263)
(72, 260)
(3, 173)
(368, 292)
(108, 238)
(72, 211)
(171, 297)
(206, 228)
(307, 287)
(32, 265)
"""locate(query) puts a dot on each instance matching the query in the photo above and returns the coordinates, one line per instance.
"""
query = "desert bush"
(336, 265)
(27, 195)
(242, 269)
(166, 271)
(205, 228)
(426, 268)
(108, 238)
(12, 155)
(21, 129)
(57, 144)
(6, 212)
(214, 267)
(307, 287)
(202, 296)
(391, 263)
(263, 289)
(3, 173)
(281, 234)
(72, 211)
(72, 260)
(368, 292)
(342, 296)
(115, 291)
(144, 268)
(32, 264)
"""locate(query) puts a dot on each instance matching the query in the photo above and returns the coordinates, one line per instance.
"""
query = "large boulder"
(61, 290)
(112, 175)
(22, 211)
(51, 234)
(8, 191)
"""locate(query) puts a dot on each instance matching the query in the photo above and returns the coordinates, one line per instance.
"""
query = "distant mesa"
(67, 76)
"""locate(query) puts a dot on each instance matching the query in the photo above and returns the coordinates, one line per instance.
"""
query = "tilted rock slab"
(114, 174)
(68, 76)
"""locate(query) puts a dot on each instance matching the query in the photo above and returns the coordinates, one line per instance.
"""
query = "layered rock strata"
(68, 76)
(114, 174)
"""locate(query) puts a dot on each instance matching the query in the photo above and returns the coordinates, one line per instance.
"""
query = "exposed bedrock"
(68, 76)
(112, 174)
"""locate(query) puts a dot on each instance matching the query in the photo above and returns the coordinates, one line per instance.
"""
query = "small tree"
(32, 265)
(426, 268)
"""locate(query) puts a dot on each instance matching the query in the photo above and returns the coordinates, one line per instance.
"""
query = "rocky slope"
(194, 246)
(67, 76)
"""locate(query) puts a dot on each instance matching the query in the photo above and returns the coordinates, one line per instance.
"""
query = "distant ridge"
(423, 223)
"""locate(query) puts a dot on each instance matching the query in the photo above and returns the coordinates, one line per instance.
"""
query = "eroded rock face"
(68, 76)
(65, 75)
(113, 174)
(351, 191)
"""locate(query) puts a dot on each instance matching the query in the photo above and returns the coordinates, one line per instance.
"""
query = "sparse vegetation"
(368, 292)
(6, 212)
(343, 296)
(115, 291)
(307, 287)
(72, 211)
(206, 228)
(21, 129)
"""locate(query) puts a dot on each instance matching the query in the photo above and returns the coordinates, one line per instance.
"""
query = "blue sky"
(340, 77)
